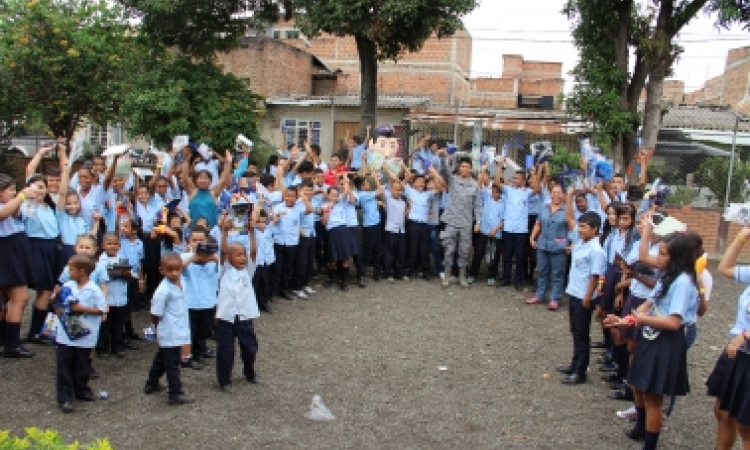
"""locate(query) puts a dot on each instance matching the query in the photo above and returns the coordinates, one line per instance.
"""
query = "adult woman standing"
(202, 197)
(550, 238)
(17, 271)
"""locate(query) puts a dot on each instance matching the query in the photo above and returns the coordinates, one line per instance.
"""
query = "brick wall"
(731, 87)
(708, 222)
(273, 68)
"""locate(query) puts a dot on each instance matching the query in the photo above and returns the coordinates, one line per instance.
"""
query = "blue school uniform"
(356, 163)
(286, 231)
(516, 209)
(92, 202)
(307, 220)
(42, 223)
(420, 204)
(588, 259)
(17, 268)
(493, 213)
(133, 252)
(148, 214)
(71, 226)
(368, 201)
(117, 289)
(742, 322)
(351, 212)
(90, 296)
(200, 283)
(337, 215)
(659, 364)
(170, 305)
(265, 255)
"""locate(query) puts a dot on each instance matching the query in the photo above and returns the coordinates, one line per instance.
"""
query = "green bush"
(713, 174)
(682, 196)
(562, 158)
(37, 439)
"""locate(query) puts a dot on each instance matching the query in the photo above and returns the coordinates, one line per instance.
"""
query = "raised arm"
(439, 181)
(570, 216)
(226, 175)
(187, 180)
(728, 263)
(643, 175)
(34, 163)
(64, 181)
(643, 255)
(111, 173)
(499, 172)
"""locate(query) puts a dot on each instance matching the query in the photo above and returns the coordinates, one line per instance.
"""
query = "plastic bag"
(318, 411)
(49, 329)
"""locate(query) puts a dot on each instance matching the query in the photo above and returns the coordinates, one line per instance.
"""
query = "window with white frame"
(298, 130)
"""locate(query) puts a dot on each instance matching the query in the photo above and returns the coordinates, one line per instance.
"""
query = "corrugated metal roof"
(704, 118)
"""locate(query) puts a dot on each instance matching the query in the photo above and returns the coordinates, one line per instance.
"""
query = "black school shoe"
(66, 407)
(574, 378)
(181, 399)
(191, 364)
(598, 344)
(565, 369)
(611, 367)
(18, 353)
(209, 353)
(621, 394)
(87, 397)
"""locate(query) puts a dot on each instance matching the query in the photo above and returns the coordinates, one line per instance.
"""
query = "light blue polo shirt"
(201, 283)
(493, 213)
(93, 202)
(615, 243)
(117, 290)
(420, 204)
(42, 223)
(395, 216)
(424, 159)
(516, 209)
(148, 214)
(286, 231)
(11, 225)
(307, 220)
(368, 201)
(89, 296)
(266, 255)
(742, 322)
(681, 299)
(587, 260)
(133, 252)
(71, 227)
(337, 215)
(170, 306)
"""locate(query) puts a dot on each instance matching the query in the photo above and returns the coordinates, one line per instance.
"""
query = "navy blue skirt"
(341, 244)
(18, 267)
(628, 306)
(659, 366)
(715, 381)
(735, 398)
(45, 256)
(611, 278)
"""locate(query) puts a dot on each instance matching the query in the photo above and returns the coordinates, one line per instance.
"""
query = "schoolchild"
(70, 219)
(394, 254)
(434, 222)
(352, 223)
(372, 238)
(43, 231)
(286, 234)
(728, 381)
(149, 213)
(341, 243)
(418, 228)
(200, 278)
(588, 265)
(111, 339)
(235, 312)
(87, 302)
(303, 259)
(264, 259)
(169, 312)
(132, 249)
(659, 365)
(490, 232)
(17, 270)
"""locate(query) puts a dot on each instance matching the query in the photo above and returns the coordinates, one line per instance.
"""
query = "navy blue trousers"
(580, 327)
(166, 360)
(303, 262)
(244, 332)
(73, 370)
(394, 257)
(372, 243)
(419, 248)
(283, 269)
(262, 285)
(514, 246)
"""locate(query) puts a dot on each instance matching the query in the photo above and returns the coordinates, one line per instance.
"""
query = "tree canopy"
(63, 61)
(179, 96)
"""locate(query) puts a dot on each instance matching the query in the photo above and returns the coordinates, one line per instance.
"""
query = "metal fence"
(693, 153)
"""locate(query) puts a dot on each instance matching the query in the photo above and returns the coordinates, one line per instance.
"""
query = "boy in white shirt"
(236, 310)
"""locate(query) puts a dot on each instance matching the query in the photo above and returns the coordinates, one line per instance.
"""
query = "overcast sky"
(511, 27)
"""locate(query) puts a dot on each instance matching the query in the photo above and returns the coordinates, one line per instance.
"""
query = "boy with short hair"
(169, 312)
(588, 268)
(394, 256)
(303, 265)
(201, 284)
(286, 233)
(321, 236)
(371, 236)
(111, 335)
(264, 259)
(73, 354)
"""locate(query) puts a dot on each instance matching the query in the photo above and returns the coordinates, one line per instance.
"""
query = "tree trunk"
(621, 38)
(652, 117)
(368, 69)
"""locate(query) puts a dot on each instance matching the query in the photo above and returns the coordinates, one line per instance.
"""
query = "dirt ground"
(375, 356)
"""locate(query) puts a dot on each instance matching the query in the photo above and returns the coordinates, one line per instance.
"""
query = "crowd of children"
(206, 248)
